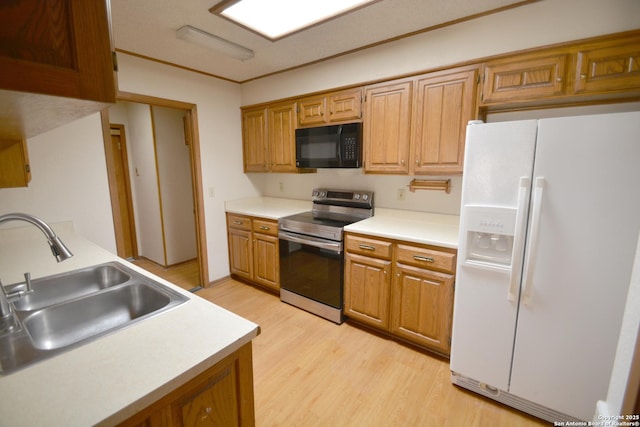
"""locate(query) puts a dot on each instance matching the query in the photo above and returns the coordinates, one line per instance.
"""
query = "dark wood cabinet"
(56, 64)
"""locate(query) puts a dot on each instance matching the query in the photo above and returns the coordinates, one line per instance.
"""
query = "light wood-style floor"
(186, 274)
(311, 372)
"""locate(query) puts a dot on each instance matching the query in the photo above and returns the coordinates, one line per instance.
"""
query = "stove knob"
(365, 197)
(356, 196)
(315, 193)
(323, 193)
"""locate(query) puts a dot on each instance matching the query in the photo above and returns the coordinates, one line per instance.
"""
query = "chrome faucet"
(59, 250)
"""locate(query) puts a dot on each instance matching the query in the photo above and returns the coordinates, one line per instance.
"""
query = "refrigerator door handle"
(532, 247)
(518, 238)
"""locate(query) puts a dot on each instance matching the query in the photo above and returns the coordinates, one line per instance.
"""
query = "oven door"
(312, 268)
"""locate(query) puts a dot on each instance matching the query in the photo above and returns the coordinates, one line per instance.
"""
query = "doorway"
(164, 263)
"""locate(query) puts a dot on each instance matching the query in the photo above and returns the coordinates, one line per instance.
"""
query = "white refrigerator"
(550, 218)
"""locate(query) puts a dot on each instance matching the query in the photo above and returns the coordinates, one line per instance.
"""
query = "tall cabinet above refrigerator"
(550, 219)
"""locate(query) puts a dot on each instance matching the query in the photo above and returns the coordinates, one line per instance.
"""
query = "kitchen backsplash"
(386, 188)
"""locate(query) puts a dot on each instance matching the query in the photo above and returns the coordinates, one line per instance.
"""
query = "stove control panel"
(347, 197)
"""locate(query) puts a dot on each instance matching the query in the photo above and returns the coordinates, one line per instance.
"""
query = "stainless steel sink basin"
(62, 287)
(65, 324)
(90, 303)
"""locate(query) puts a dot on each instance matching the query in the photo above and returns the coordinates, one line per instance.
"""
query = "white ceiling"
(147, 28)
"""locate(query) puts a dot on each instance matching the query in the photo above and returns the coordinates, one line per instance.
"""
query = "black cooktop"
(310, 218)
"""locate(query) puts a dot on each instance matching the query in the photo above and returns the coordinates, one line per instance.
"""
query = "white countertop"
(268, 207)
(109, 379)
(418, 227)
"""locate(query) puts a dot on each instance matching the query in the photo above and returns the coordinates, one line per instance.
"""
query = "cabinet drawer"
(265, 227)
(426, 258)
(239, 221)
(369, 247)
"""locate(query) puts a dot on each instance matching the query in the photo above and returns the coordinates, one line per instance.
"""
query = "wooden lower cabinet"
(220, 396)
(254, 252)
(421, 307)
(240, 246)
(367, 296)
(402, 288)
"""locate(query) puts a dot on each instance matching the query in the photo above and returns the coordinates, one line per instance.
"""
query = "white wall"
(69, 182)
(174, 173)
(144, 179)
(220, 134)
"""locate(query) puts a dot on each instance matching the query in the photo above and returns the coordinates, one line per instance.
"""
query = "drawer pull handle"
(264, 227)
(237, 222)
(423, 258)
(367, 247)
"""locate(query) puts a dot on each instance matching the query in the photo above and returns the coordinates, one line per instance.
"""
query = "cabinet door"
(524, 78)
(614, 66)
(282, 137)
(345, 106)
(254, 140)
(422, 307)
(387, 128)
(366, 290)
(14, 163)
(57, 47)
(266, 260)
(444, 104)
(215, 405)
(311, 111)
(240, 253)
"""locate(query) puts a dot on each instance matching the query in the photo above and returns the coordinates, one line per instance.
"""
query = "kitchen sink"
(71, 309)
(62, 287)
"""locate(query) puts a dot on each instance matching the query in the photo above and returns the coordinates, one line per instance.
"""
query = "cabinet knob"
(237, 222)
(583, 76)
(207, 412)
(402, 162)
(558, 79)
(418, 162)
(423, 258)
(367, 247)
(264, 227)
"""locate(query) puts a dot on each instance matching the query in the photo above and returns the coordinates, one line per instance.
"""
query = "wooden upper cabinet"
(334, 107)
(312, 111)
(524, 77)
(387, 127)
(282, 137)
(345, 105)
(56, 64)
(608, 66)
(14, 163)
(254, 140)
(444, 104)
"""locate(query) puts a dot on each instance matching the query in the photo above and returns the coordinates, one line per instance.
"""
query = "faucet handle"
(27, 281)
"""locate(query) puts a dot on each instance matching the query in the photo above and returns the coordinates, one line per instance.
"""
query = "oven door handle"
(311, 241)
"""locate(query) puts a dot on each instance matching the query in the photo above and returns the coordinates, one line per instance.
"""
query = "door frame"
(191, 125)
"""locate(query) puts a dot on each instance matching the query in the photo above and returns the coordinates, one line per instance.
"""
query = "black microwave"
(338, 146)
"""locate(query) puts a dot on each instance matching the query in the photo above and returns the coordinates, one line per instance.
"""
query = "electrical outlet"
(401, 194)
(281, 186)
(212, 192)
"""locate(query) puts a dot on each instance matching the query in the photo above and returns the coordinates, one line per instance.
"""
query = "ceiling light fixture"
(275, 19)
(218, 44)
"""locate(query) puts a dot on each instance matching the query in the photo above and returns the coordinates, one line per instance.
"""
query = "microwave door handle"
(339, 144)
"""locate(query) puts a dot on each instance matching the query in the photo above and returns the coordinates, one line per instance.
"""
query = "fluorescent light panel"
(277, 18)
(218, 44)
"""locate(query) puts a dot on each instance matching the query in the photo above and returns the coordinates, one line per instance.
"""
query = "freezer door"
(579, 256)
(498, 162)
